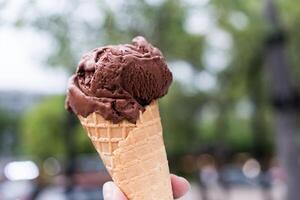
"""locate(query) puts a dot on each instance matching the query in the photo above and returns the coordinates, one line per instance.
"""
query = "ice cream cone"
(134, 154)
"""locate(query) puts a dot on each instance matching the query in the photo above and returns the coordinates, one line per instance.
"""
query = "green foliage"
(184, 118)
(6, 119)
(8, 128)
(178, 112)
(82, 141)
(44, 127)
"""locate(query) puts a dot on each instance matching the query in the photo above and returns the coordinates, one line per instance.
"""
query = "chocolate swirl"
(118, 81)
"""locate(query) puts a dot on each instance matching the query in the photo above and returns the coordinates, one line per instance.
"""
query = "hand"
(180, 187)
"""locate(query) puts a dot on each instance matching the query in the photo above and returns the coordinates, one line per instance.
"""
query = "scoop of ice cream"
(118, 81)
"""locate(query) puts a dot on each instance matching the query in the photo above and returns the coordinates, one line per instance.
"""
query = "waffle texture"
(134, 154)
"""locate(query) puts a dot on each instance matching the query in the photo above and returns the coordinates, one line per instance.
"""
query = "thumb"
(112, 192)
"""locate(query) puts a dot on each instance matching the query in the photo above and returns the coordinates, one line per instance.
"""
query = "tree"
(285, 100)
(8, 126)
(184, 110)
(43, 129)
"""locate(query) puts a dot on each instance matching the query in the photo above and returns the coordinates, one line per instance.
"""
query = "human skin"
(180, 187)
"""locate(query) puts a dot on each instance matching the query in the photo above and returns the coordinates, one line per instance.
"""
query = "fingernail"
(181, 179)
(108, 191)
(185, 185)
(184, 181)
(188, 185)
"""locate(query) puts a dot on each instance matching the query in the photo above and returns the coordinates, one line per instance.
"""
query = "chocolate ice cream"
(118, 81)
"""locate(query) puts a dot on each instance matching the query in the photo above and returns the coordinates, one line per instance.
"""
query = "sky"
(24, 50)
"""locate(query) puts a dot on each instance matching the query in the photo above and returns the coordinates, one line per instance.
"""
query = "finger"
(180, 186)
(112, 192)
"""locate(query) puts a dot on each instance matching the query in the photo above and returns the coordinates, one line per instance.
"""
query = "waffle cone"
(134, 154)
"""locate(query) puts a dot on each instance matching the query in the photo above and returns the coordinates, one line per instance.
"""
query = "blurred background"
(231, 117)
